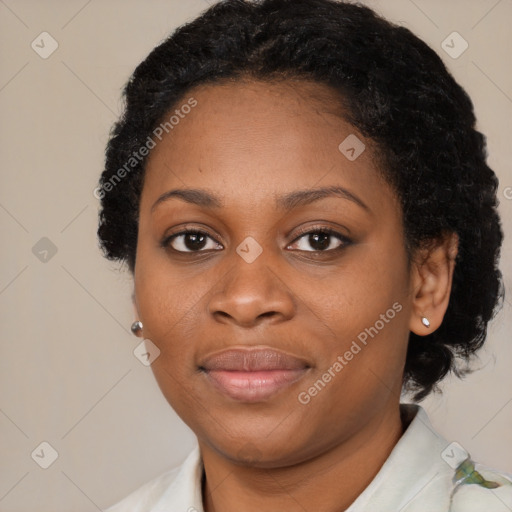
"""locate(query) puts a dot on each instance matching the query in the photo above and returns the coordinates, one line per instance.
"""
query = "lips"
(253, 360)
(252, 374)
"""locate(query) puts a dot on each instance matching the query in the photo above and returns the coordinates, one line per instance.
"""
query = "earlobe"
(134, 304)
(432, 283)
(136, 326)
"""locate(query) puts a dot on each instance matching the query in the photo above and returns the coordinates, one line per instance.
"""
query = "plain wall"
(68, 375)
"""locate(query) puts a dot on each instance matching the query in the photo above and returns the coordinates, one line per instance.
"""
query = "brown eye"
(191, 241)
(321, 240)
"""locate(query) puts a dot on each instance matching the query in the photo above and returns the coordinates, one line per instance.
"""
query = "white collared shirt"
(423, 473)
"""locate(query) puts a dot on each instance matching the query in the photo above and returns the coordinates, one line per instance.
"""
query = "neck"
(329, 482)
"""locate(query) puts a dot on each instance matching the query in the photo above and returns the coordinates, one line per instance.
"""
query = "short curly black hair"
(395, 91)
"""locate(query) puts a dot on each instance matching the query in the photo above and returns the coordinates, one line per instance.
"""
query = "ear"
(136, 313)
(432, 275)
(134, 304)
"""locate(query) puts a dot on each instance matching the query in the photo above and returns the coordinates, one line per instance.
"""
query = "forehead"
(294, 95)
(256, 139)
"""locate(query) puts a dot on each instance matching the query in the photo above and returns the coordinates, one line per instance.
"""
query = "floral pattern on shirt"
(468, 475)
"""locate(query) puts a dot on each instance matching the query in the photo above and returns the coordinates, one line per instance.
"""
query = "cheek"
(365, 306)
(362, 289)
(169, 303)
(165, 291)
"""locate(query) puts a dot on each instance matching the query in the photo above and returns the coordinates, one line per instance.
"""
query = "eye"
(191, 240)
(322, 239)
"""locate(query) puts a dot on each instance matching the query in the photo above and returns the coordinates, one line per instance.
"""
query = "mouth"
(252, 375)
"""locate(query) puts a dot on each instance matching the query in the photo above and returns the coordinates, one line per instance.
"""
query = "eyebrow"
(284, 202)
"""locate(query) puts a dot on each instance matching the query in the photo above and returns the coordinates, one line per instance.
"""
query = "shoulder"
(148, 495)
(479, 488)
(425, 472)
(176, 489)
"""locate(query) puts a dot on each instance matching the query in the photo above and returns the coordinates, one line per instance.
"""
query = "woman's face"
(269, 337)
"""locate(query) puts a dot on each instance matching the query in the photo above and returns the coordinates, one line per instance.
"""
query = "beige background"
(67, 372)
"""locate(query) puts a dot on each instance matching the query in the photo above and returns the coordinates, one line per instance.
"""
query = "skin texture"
(280, 454)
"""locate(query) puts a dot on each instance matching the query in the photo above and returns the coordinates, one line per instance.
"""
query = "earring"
(425, 322)
(136, 327)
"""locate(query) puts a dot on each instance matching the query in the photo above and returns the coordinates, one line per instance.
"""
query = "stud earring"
(425, 322)
(136, 327)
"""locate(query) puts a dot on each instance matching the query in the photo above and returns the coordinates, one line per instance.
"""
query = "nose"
(252, 293)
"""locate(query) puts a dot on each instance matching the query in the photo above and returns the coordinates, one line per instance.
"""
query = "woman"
(303, 200)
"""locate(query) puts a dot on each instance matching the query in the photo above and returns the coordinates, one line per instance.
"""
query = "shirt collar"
(185, 494)
(414, 468)
(414, 471)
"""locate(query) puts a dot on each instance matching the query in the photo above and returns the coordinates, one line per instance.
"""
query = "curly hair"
(395, 90)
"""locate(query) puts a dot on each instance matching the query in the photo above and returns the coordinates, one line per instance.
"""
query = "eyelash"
(324, 231)
(166, 242)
